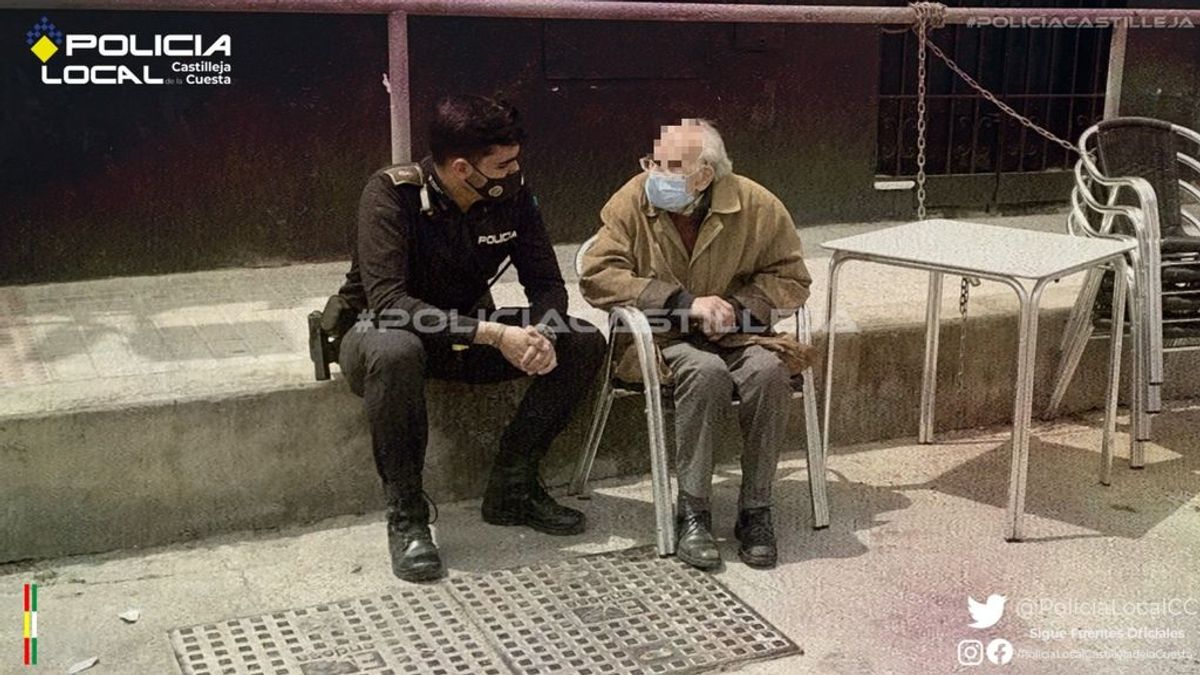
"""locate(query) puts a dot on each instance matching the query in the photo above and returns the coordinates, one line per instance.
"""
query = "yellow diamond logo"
(44, 49)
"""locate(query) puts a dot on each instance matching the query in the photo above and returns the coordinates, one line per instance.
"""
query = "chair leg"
(816, 454)
(604, 400)
(1139, 379)
(1153, 374)
(660, 477)
(1150, 319)
(1114, 372)
(1154, 397)
(1081, 311)
(1075, 338)
(1154, 297)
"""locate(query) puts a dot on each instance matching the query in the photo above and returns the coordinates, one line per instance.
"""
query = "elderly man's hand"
(716, 316)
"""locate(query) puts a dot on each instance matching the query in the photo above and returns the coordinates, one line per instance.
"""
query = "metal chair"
(1133, 179)
(633, 321)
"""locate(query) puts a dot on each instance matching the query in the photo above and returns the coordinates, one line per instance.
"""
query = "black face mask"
(498, 189)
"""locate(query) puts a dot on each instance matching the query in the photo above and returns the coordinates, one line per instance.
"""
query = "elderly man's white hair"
(712, 151)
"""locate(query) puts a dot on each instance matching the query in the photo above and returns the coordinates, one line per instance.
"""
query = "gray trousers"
(706, 376)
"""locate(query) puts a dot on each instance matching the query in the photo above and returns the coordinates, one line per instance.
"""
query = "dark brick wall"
(117, 180)
(1162, 70)
(100, 181)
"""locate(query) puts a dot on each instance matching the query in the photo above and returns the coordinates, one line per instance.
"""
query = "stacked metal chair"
(1138, 177)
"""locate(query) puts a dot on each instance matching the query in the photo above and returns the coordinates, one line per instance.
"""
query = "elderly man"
(690, 239)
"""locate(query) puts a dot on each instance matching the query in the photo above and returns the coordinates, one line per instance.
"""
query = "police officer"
(430, 235)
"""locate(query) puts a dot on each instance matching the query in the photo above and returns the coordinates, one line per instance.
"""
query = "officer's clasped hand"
(529, 350)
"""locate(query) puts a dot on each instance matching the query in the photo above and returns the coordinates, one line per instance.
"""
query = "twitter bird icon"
(986, 614)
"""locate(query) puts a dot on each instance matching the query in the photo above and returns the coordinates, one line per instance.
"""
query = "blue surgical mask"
(669, 192)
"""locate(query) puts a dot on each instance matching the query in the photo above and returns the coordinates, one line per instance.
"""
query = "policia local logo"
(141, 58)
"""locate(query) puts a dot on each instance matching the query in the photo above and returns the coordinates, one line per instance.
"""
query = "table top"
(981, 249)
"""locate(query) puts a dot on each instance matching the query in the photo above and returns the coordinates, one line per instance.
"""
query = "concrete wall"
(148, 474)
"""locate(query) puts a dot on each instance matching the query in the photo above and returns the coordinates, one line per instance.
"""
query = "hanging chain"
(933, 15)
(923, 17)
(964, 296)
(989, 96)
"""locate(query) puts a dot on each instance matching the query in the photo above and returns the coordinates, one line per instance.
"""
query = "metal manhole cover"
(623, 612)
(415, 630)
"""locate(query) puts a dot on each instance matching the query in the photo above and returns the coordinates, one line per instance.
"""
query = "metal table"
(1025, 261)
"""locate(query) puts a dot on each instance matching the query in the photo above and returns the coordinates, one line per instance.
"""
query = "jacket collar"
(724, 194)
(433, 188)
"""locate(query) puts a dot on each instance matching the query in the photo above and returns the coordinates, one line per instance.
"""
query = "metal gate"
(1053, 75)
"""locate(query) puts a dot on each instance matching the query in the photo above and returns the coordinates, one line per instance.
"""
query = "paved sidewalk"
(915, 531)
(127, 341)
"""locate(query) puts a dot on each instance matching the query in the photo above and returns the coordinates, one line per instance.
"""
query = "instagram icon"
(970, 652)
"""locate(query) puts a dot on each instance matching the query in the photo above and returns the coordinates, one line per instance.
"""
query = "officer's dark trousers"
(388, 368)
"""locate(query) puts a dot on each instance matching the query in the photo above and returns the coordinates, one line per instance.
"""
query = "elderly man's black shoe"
(757, 536)
(695, 544)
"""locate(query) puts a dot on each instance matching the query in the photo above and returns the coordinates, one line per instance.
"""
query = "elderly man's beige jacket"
(747, 248)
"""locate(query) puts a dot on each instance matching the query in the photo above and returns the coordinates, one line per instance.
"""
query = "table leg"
(1114, 370)
(933, 330)
(1022, 407)
(835, 265)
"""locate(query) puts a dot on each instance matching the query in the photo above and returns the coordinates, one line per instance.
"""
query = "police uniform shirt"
(416, 251)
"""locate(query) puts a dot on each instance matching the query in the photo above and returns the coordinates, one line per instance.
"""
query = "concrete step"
(139, 411)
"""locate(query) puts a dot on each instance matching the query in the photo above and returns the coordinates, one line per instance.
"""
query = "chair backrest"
(1146, 148)
(583, 248)
(1166, 155)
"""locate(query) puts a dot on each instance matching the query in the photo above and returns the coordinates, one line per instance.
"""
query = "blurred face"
(677, 152)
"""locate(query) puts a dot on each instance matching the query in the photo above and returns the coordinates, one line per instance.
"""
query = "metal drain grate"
(624, 612)
(627, 612)
(416, 630)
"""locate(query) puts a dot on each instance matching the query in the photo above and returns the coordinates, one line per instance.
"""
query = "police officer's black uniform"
(419, 259)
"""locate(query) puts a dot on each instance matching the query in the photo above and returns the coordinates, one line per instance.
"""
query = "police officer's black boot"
(515, 496)
(414, 555)
(693, 528)
(757, 536)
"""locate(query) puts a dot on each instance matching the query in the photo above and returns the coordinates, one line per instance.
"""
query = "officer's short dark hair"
(468, 126)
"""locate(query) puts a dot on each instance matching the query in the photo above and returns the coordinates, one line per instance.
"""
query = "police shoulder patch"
(405, 174)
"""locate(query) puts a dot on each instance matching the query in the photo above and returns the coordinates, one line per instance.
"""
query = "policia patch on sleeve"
(405, 174)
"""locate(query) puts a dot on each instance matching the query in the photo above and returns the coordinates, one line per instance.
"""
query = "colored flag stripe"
(29, 647)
